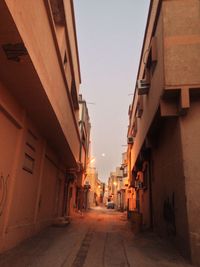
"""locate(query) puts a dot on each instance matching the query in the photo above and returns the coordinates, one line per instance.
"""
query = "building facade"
(123, 184)
(91, 182)
(164, 126)
(118, 185)
(112, 188)
(82, 187)
(39, 133)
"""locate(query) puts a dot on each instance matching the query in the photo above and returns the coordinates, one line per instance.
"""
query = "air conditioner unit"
(143, 87)
(130, 140)
(139, 185)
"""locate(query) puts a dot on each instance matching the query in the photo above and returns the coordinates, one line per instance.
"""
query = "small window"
(139, 109)
(74, 96)
(134, 128)
(65, 59)
(152, 55)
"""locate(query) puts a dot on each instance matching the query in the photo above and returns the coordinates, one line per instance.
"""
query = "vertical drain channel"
(83, 251)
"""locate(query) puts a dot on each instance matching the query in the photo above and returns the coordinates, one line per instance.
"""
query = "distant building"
(100, 190)
(91, 182)
(96, 188)
(112, 187)
(117, 187)
(84, 127)
(105, 199)
(39, 108)
(123, 184)
(164, 126)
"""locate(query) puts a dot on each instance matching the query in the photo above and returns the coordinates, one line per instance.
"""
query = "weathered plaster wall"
(152, 100)
(168, 183)
(33, 196)
(47, 62)
(182, 42)
(190, 136)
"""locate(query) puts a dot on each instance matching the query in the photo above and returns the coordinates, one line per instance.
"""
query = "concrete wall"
(181, 42)
(150, 101)
(182, 68)
(175, 146)
(35, 177)
(39, 135)
(168, 185)
(33, 20)
(190, 132)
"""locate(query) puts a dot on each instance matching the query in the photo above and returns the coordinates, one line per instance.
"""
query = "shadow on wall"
(169, 215)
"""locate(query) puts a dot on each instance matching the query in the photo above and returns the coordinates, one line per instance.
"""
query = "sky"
(110, 35)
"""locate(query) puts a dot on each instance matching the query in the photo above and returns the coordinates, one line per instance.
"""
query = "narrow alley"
(99, 133)
(99, 238)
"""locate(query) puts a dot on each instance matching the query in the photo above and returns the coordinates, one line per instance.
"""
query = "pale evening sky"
(110, 35)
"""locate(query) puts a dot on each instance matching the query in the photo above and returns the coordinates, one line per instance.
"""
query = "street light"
(92, 160)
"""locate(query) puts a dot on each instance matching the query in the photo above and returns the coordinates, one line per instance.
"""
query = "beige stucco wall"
(72, 40)
(175, 149)
(177, 49)
(181, 42)
(182, 67)
(32, 200)
(39, 131)
(32, 21)
(150, 101)
(63, 46)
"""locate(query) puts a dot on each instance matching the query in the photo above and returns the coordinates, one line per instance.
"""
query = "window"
(134, 128)
(74, 96)
(65, 59)
(139, 110)
(152, 56)
(30, 150)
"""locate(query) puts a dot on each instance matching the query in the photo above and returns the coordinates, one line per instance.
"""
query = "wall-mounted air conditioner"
(139, 185)
(143, 87)
(130, 140)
